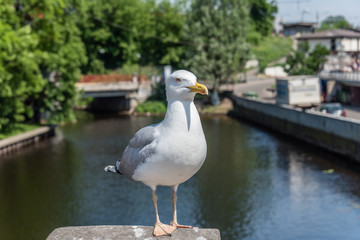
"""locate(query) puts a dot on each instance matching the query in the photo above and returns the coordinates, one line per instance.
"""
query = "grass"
(215, 110)
(18, 129)
(270, 49)
(135, 68)
(157, 107)
(209, 109)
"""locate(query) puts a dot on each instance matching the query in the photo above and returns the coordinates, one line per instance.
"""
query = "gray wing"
(138, 150)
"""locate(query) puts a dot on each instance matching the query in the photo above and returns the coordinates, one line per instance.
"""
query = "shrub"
(151, 107)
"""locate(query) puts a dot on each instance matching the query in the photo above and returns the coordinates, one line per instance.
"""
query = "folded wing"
(141, 147)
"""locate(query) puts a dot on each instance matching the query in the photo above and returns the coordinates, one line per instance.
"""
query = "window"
(333, 44)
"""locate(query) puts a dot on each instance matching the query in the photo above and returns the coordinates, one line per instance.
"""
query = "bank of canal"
(335, 134)
(253, 185)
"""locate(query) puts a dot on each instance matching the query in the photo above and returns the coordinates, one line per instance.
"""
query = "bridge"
(114, 92)
(103, 90)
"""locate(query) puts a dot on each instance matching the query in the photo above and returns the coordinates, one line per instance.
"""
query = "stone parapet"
(129, 232)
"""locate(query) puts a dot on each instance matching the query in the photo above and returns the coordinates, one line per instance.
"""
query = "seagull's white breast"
(180, 149)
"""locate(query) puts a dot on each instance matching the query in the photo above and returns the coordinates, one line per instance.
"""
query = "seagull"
(170, 152)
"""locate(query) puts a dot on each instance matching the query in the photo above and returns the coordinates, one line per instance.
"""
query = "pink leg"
(173, 201)
(160, 229)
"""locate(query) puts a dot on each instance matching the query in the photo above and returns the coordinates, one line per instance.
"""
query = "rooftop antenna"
(305, 11)
(298, 5)
(317, 19)
(296, 1)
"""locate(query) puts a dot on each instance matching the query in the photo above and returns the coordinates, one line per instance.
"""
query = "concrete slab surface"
(129, 232)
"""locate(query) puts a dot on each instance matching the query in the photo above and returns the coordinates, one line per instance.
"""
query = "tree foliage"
(40, 58)
(118, 32)
(217, 30)
(302, 64)
(20, 75)
(262, 15)
(334, 22)
(163, 46)
(63, 53)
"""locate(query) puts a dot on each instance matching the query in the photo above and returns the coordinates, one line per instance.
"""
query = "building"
(336, 40)
(355, 29)
(340, 74)
(291, 29)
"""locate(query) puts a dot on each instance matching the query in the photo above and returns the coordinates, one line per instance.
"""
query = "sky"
(307, 10)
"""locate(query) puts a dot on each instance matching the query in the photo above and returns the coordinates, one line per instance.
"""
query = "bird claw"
(180, 226)
(161, 229)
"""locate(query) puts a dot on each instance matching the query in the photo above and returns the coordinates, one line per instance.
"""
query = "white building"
(335, 40)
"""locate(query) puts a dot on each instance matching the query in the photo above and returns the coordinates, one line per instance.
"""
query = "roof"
(355, 29)
(304, 24)
(335, 33)
(108, 78)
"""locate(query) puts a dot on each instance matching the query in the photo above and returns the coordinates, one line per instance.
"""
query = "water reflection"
(253, 185)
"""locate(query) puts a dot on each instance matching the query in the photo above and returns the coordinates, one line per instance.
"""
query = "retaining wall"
(13, 143)
(336, 134)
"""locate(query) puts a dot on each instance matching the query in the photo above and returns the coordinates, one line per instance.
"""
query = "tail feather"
(114, 169)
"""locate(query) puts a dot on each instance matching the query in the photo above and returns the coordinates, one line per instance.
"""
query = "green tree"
(262, 15)
(162, 45)
(334, 22)
(301, 64)
(62, 53)
(217, 30)
(111, 29)
(40, 57)
(20, 76)
(296, 63)
(118, 32)
(317, 57)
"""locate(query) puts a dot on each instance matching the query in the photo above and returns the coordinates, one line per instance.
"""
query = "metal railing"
(341, 76)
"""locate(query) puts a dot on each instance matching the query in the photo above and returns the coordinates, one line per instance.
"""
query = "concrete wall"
(313, 42)
(355, 96)
(350, 44)
(336, 134)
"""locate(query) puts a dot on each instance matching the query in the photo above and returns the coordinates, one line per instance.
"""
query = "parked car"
(332, 108)
(251, 95)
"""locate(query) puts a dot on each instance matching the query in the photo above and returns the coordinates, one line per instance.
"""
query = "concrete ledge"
(13, 143)
(129, 232)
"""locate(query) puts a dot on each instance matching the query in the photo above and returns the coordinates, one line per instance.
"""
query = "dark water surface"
(253, 185)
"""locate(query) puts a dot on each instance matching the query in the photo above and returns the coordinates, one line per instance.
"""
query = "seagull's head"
(181, 85)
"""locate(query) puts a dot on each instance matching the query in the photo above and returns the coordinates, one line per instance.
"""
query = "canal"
(254, 184)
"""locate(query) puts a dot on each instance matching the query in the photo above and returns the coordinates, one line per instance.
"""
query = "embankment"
(13, 143)
(337, 134)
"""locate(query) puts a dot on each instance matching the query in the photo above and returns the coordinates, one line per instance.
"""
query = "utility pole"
(292, 2)
(298, 5)
(302, 14)
(317, 20)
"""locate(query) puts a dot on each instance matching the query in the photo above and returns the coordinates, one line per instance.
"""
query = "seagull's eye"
(178, 80)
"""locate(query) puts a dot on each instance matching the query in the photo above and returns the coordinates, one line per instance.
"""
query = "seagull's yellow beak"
(199, 88)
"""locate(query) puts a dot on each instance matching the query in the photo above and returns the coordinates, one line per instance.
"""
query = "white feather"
(172, 151)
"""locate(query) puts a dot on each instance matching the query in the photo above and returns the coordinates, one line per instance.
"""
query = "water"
(253, 185)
